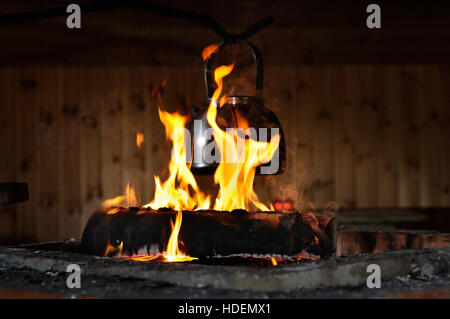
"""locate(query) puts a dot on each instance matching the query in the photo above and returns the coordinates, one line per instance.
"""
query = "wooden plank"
(323, 130)
(409, 179)
(366, 140)
(70, 156)
(155, 145)
(431, 147)
(303, 117)
(445, 132)
(287, 184)
(148, 130)
(111, 86)
(346, 106)
(27, 117)
(141, 104)
(90, 169)
(152, 130)
(8, 214)
(132, 121)
(384, 148)
(48, 154)
(14, 100)
(437, 117)
(7, 125)
(388, 150)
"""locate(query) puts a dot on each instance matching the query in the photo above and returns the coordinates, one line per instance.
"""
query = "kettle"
(250, 107)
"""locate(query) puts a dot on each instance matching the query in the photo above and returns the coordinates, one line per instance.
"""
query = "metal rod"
(205, 20)
(103, 5)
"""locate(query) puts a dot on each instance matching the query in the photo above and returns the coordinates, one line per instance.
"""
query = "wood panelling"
(8, 138)
(360, 135)
(303, 32)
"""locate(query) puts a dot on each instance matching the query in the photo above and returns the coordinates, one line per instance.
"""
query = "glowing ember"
(113, 211)
(111, 250)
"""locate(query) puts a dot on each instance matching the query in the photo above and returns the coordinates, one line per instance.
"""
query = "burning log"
(207, 233)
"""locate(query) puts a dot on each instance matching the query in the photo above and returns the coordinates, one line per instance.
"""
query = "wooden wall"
(360, 135)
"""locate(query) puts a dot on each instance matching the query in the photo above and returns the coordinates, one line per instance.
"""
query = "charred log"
(203, 233)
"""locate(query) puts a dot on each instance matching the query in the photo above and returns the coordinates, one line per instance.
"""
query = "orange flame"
(139, 139)
(274, 261)
(113, 211)
(316, 239)
(141, 257)
(111, 250)
(239, 157)
(131, 196)
(180, 190)
(209, 50)
(172, 253)
(174, 193)
(116, 201)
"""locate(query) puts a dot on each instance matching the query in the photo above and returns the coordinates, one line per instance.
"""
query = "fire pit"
(416, 262)
(236, 222)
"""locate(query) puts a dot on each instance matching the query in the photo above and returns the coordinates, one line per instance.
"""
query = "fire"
(239, 158)
(235, 173)
(111, 250)
(172, 253)
(116, 201)
(139, 139)
(209, 50)
(129, 197)
(274, 261)
(174, 193)
(113, 211)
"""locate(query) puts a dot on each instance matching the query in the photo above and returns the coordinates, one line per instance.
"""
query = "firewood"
(203, 233)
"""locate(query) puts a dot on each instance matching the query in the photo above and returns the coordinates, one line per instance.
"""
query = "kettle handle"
(258, 61)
